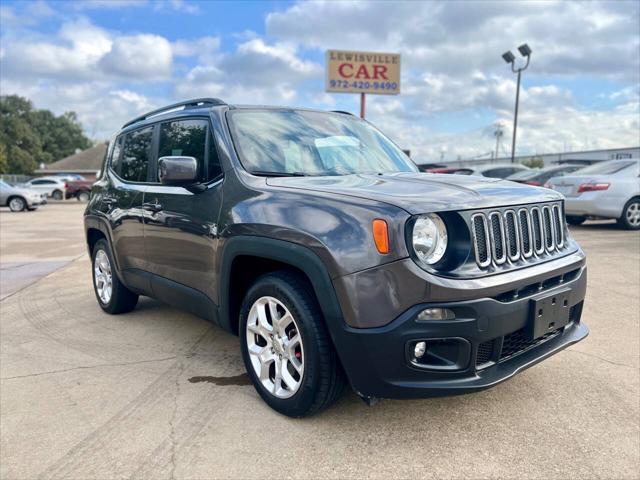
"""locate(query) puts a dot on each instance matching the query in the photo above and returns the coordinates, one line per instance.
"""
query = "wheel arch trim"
(300, 257)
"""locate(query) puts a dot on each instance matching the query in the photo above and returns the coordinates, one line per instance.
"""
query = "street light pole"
(510, 58)
(515, 121)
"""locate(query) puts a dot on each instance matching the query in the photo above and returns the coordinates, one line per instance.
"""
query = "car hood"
(423, 192)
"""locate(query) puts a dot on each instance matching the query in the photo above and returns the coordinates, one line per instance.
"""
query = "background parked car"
(452, 170)
(18, 199)
(603, 190)
(80, 189)
(53, 186)
(539, 176)
(496, 170)
(70, 177)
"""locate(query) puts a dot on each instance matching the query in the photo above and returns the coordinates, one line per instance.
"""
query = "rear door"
(181, 226)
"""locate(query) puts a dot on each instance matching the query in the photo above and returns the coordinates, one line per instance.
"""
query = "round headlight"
(429, 238)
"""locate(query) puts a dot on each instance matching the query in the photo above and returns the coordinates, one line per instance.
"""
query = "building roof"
(89, 160)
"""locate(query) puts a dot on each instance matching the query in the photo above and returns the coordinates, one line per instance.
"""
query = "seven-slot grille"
(517, 233)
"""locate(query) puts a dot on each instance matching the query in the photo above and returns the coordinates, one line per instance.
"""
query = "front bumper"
(488, 333)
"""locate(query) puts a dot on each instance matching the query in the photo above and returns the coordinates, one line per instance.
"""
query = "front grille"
(517, 342)
(500, 236)
(485, 351)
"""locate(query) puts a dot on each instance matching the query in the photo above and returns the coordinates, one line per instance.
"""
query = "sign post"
(363, 72)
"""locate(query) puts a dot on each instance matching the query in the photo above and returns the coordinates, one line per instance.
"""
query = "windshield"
(295, 142)
(605, 168)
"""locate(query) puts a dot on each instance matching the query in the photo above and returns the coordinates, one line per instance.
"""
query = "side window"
(135, 155)
(188, 138)
(115, 160)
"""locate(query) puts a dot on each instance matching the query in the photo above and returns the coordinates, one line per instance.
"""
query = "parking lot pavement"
(34, 244)
(158, 393)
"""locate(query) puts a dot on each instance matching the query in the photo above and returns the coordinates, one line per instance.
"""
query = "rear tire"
(57, 195)
(575, 220)
(83, 196)
(113, 297)
(296, 371)
(630, 218)
(17, 204)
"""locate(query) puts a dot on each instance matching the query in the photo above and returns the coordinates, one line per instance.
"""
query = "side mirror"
(179, 171)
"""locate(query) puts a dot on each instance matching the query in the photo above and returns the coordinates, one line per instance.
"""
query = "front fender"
(283, 251)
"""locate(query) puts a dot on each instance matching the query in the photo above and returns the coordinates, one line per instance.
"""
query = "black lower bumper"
(489, 341)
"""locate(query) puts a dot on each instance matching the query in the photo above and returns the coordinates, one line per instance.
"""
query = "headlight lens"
(429, 238)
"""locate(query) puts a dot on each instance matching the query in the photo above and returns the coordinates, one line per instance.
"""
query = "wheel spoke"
(289, 381)
(284, 322)
(262, 318)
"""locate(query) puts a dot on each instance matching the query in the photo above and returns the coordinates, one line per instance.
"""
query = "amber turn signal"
(381, 235)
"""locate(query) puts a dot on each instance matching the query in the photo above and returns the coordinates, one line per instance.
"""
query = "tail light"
(66, 185)
(535, 183)
(593, 187)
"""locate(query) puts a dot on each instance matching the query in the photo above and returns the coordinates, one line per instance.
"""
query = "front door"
(181, 232)
(122, 197)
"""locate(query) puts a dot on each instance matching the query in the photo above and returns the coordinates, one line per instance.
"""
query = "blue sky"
(110, 60)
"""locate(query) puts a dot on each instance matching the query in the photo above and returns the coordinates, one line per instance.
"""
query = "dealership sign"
(363, 72)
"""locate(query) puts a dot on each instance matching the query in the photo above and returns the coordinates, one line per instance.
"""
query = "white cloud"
(139, 56)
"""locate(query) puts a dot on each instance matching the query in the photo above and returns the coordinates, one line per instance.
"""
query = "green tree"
(534, 162)
(29, 137)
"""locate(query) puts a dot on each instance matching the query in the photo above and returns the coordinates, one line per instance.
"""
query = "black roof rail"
(197, 102)
(343, 111)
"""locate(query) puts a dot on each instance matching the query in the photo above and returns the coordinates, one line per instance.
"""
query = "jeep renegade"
(315, 239)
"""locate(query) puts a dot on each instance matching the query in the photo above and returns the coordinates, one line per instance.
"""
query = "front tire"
(630, 218)
(17, 204)
(286, 347)
(575, 220)
(113, 297)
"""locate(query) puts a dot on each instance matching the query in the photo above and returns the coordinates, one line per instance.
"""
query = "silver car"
(604, 190)
(20, 198)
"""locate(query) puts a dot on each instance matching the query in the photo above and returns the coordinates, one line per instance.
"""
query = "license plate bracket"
(548, 312)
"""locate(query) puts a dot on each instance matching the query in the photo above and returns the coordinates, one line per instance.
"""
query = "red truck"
(79, 189)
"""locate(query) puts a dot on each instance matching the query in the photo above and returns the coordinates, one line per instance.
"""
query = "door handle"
(152, 206)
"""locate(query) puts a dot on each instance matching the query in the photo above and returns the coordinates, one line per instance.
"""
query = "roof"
(87, 160)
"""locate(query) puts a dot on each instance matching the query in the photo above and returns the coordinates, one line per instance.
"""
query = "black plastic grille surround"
(517, 342)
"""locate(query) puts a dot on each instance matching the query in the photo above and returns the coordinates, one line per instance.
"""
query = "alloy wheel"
(16, 204)
(633, 214)
(103, 277)
(275, 347)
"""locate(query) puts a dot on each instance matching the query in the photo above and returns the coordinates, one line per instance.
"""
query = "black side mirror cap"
(178, 171)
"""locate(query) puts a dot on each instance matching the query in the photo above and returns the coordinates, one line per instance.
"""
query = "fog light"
(419, 349)
(436, 314)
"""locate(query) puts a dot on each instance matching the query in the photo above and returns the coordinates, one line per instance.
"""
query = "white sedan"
(53, 186)
(604, 190)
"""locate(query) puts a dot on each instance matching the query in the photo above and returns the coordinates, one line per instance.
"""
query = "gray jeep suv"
(316, 240)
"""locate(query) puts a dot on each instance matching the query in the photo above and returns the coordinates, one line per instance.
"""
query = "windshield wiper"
(265, 173)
